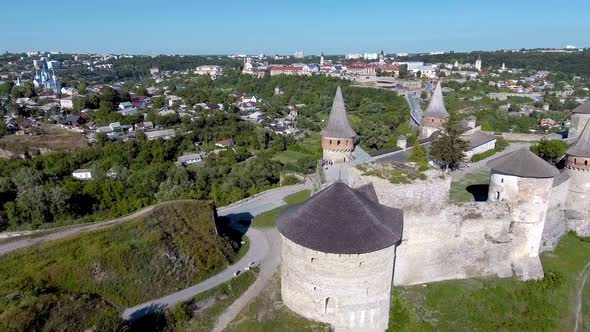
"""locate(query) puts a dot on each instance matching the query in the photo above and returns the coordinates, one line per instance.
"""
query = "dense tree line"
(41, 190)
(576, 63)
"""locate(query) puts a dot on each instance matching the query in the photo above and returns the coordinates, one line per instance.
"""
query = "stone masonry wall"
(429, 196)
(350, 292)
(468, 241)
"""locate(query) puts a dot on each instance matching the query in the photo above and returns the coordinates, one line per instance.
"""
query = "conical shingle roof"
(338, 126)
(341, 220)
(523, 163)
(584, 108)
(582, 146)
(436, 106)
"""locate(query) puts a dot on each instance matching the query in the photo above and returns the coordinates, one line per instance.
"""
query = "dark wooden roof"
(584, 108)
(582, 146)
(338, 126)
(341, 220)
(523, 163)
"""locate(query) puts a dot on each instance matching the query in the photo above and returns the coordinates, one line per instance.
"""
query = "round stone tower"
(338, 136)
(338, 255)
(435, 116)
(524, 181)
(578, 167)
(580, 117)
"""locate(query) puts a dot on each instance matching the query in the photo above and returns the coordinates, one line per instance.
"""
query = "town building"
(338, 253)
(82, 174)
(190, 158)
(163, 134)
(338, 136)
(478, 64)
(211, 70)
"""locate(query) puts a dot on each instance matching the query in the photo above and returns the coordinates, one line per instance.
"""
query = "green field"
(267, 219)
(307, 151)
(498, 304)
(471, 187)
(74, 283)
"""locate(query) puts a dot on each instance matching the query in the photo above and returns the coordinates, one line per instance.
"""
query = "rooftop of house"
(342, 220)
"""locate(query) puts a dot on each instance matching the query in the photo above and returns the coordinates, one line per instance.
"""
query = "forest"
(576, 63)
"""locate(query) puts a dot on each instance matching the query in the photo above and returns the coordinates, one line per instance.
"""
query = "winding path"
(580, 298)
(263, 251)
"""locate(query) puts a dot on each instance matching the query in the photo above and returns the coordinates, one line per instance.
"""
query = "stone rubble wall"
(428, 196)
(467, 241)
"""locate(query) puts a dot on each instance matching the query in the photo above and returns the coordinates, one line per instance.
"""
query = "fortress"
(346, 246)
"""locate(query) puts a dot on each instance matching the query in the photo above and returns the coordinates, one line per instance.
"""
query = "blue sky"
(261, 26)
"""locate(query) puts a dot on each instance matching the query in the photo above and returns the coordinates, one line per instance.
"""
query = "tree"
(550, 150)
(448, 149)
(82, 88)
(419, 156)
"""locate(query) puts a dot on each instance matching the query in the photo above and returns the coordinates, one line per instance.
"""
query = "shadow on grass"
(479, 192)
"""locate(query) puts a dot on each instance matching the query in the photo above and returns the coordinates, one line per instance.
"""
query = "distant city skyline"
(333, 27)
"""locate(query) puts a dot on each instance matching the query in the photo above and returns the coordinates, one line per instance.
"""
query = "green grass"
(111, 269)
(309, 147)
(471, 187)
(498, 304)
(202, 311)
(267, 313)
(267, 219)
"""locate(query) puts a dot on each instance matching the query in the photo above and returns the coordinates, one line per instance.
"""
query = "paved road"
(475, 167)
(267, 270)
(257, 204)
(259, 247)
(60, 233)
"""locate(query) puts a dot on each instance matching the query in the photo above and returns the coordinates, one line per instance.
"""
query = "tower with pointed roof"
(580, 117)
(338, 136)
(338, 251)
(322, 59)
(435, 116)
(524, 181)
(578, 167)
(381, 58)
(478, 63)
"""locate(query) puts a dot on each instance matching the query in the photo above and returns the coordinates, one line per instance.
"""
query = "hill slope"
(73, 284)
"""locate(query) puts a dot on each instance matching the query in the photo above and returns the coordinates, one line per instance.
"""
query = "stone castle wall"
(469, 241)
(555, 221)
(577, 205)
(350, 292)
(429, 196)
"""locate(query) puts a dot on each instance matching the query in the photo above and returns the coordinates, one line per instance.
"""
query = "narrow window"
(338, 142)
(330, 141)
(585, 162)
(497, 195)
(312, 260)
(502, 180)
(575, 160)
(326, 305)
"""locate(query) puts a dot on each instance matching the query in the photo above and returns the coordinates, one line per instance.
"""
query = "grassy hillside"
(87, 280)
